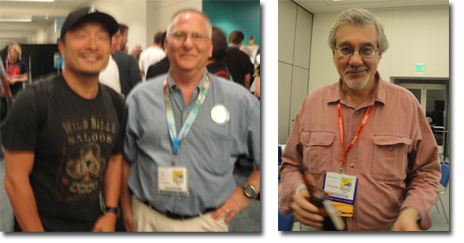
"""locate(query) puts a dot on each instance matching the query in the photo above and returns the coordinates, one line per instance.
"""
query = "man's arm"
(257, 87)
(292, 158)
(111, 192)
(6, 86)
(126, 197)
(18, 167)
(247, 81)
(237, 201)
(19, 78)
(424, 176)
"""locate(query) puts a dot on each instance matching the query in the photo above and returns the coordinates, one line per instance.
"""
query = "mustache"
(354, 69)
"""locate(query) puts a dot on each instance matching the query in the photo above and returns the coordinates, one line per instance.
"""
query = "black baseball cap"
(89, 14)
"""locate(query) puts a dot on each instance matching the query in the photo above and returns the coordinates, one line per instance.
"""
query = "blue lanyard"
(177, 140)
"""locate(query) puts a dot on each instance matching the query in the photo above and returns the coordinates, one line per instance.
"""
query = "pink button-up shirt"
(395, 159)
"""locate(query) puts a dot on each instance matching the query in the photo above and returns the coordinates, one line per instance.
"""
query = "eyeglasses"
(196, 39)
(365, 52)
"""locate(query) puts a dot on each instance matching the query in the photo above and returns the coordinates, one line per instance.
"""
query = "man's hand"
(12, 79)
(304, 211)
(407, 221)
(236, 203)
(128, 217)
(106, 223)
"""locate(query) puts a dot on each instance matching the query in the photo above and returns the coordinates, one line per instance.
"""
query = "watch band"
(113, 210)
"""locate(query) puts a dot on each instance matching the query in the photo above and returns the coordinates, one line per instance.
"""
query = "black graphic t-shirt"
(72, 151)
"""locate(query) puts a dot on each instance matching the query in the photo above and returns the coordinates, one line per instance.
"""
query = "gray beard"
(355, 85)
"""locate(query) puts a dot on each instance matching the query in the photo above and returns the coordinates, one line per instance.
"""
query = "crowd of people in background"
(74, 155)
(230, 60)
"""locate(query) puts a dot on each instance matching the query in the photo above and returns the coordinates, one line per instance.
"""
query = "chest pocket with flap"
(390, 157)
(318, 150)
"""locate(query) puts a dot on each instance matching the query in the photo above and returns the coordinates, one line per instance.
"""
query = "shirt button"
(391, 148)
(352, 165)
(179, 199)
(185, 141)
(356, 112)
(185, 115)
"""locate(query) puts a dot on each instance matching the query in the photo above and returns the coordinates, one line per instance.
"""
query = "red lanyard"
(358, 132)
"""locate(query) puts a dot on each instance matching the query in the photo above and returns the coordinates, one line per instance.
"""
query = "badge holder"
(343, 188)
(173, 181)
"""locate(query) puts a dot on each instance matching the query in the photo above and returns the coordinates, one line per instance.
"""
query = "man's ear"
(61, 47)
(210, 49)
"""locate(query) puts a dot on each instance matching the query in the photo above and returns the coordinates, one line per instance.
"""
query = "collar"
(336, 93)
(172, 83)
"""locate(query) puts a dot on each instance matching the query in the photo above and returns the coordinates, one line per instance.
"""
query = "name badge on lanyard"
(342, 186)
(174, 180)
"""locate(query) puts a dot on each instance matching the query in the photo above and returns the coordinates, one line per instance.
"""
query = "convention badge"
(173, 181)
(220, 114)
(343, 188)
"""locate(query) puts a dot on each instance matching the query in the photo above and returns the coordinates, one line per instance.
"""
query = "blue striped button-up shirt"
(209, 150)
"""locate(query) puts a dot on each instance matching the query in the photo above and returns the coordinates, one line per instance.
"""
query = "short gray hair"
(209, 26)
(360, 17)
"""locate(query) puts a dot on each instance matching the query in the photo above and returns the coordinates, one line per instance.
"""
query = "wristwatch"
(249, 190)
(113, 210)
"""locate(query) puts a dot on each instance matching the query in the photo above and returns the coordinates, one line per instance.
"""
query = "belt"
(178, 216)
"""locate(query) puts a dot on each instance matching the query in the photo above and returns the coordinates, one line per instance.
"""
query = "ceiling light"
(15, 18)
(27, 0)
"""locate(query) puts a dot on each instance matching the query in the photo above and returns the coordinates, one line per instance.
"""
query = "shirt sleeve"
(119, 146)
(20, 129)
(134, 72)
(24, 70)
(292, 157)
(424, 172)
(130, 148)
(254, 131)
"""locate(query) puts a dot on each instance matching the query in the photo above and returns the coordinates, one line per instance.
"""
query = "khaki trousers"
(147, 219)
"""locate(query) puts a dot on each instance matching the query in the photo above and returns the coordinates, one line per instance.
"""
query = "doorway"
(433, 96)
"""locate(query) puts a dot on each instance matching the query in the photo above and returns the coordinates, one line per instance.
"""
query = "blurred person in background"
(16, 69)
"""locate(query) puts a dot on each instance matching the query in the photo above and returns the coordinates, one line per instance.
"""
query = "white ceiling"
(326, 6)
(22, 31)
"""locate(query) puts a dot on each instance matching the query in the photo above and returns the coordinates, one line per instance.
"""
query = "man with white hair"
(183, 181)
(382, 143)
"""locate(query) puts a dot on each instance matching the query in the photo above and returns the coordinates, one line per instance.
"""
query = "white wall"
(416, 35)
(159, 14)
(144, 17)
(294, 63)
(114, 8)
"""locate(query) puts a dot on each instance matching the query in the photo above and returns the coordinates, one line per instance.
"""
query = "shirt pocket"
(215, 158)
(390, 157)
(318, 150)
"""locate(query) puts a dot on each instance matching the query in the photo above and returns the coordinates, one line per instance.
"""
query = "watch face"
(249, 191)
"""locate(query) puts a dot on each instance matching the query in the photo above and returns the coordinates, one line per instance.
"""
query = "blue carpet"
(248, 220)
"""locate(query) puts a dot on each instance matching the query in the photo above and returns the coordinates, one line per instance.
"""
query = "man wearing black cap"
(57, 166)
